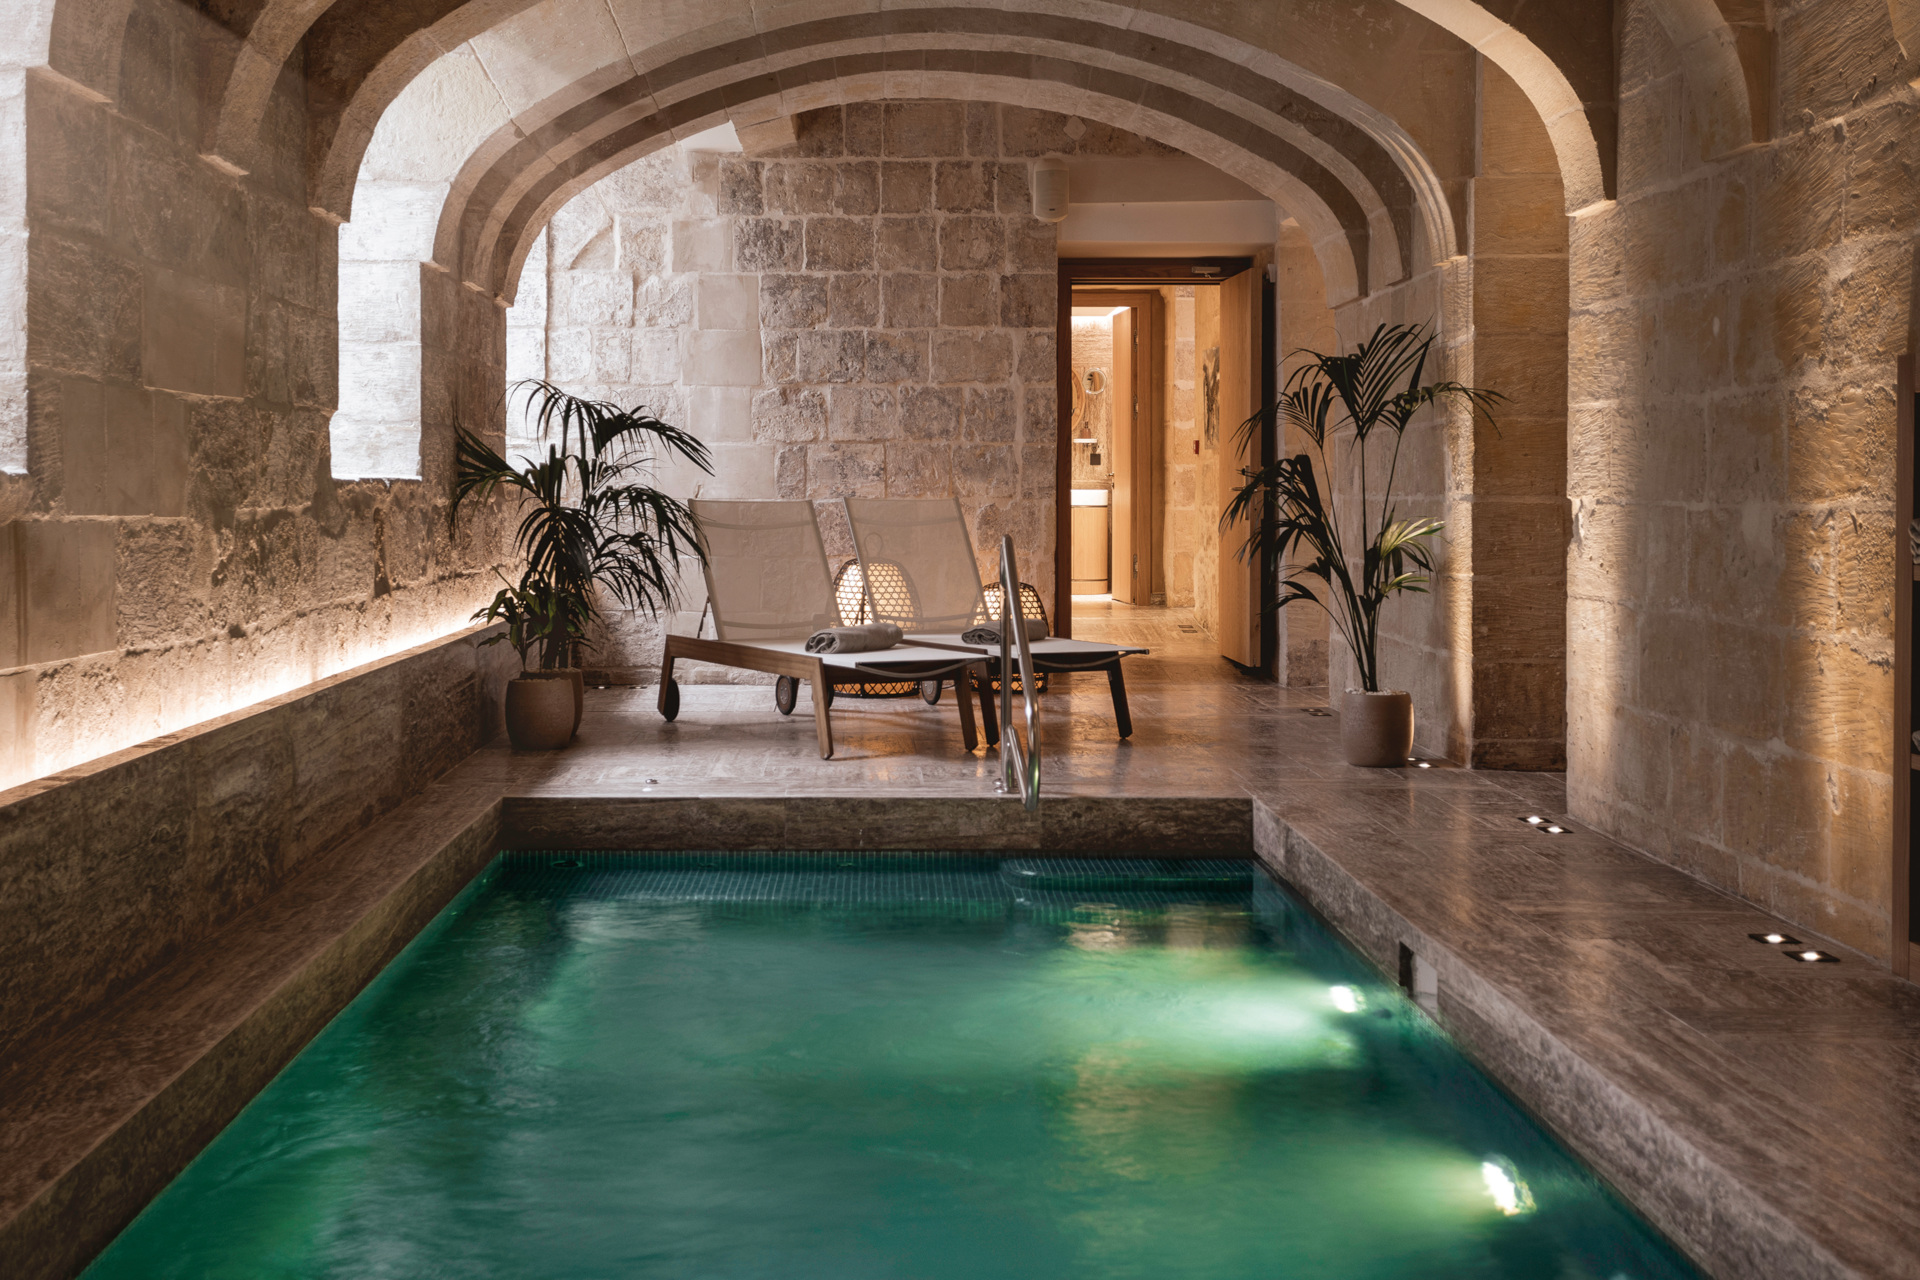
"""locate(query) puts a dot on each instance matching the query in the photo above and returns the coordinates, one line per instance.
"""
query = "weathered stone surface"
(1028, 301)
(968, 299)
(839, 244)
(972, 356)
(830, 355)
(907, 244)
(906, 186)
(792, 301)
(853, 301)
(988, 414)
(862, 413)
(896, 357)
(800, 187)
(931, 413)
(961, 186)
(768, 244)
(846, 471)
(924, 129)
(789, 415)
(972, 244)
(909, 301)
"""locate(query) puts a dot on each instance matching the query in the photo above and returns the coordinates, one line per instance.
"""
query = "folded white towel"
(989, 632)
(862, 639)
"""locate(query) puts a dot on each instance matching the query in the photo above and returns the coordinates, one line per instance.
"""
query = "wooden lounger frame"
(798, 666)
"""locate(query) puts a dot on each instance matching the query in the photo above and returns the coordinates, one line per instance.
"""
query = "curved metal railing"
(1019, 761)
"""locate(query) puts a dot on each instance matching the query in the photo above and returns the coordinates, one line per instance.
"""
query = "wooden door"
(1127, 498)
(1242, 370)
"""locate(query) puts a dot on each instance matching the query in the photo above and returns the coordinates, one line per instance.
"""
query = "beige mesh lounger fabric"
(925, 541)
(769, 589)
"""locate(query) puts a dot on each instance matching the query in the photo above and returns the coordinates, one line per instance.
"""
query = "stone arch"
(1364, 170)
(484, 241)
(404, 181)
(1560, 55)
(1374, 210)
(1711, 58)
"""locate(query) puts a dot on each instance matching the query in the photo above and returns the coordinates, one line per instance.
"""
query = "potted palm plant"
(590, 522)
(1295, 516)
(543, 711)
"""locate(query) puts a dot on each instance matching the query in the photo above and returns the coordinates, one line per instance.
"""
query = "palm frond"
(1294, 521)
(590, 516)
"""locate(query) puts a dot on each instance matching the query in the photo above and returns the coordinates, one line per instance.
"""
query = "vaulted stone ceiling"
(1309, 101)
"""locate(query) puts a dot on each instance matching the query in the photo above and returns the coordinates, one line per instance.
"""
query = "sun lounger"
(922, 543)
(768, 590)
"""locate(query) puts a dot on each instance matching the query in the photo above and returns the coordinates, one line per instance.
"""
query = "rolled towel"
(862, 639)
(989, 632)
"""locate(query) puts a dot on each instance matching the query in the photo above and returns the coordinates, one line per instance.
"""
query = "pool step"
(1137, 874)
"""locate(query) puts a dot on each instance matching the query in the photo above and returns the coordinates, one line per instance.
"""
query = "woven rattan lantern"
(894, 596)
(1031, 608)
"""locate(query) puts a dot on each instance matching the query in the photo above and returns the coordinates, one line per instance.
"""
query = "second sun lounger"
(921, 547)
(769, 589)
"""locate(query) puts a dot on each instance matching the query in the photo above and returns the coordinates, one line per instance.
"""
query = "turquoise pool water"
(786, 1067)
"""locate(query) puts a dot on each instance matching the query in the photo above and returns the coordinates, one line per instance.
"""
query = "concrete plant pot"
(540, 712)
(578, 679)
(1376, 729)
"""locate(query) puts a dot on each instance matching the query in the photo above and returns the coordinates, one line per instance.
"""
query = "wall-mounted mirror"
(1096, 381)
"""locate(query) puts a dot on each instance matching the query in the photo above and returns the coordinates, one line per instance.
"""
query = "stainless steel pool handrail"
(1019, 762)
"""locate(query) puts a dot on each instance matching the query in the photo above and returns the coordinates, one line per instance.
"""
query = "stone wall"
(110, 869)
(1306, 324)
(868, 312)
(178, 547)
(1735, 325)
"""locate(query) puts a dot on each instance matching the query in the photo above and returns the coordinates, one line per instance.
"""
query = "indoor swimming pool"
(861, 1066)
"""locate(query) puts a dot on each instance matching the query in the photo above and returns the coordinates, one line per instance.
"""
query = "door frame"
(1147, 433)
(1079, 273)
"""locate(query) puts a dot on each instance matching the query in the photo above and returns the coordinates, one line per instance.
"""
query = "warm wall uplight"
(190, 685)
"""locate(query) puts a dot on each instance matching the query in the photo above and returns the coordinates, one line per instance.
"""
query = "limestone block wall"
(1736, 319)
(867, 312)
(110, 869)
(1424, 638)
(1306, 324)
(1519, 510)
(177, 546)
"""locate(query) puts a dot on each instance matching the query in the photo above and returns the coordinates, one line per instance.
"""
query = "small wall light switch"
(1196, 446)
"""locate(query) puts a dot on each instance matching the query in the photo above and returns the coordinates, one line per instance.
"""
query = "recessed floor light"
(1533, 820)
(1556, 831)
(1813, 957)
(1423, 765)
(1775, 939)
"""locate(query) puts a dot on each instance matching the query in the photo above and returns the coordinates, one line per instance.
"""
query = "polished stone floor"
(1801, 1081)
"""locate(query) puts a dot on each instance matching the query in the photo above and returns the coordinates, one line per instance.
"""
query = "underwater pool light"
(1510, 1195)
(1345, 999)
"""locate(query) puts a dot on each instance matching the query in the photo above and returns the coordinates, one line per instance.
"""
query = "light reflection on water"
(575, 1078)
